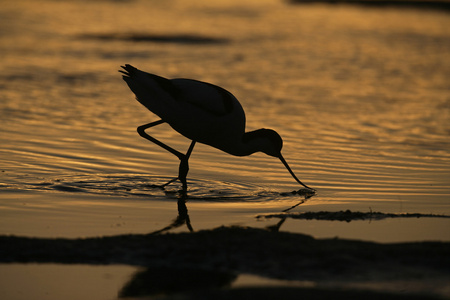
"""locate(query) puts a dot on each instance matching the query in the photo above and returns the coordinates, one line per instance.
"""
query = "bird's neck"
(250, 143)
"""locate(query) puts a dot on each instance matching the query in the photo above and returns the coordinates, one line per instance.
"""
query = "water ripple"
(147, 186)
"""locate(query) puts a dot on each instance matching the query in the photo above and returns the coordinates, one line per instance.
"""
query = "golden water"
(360, 96)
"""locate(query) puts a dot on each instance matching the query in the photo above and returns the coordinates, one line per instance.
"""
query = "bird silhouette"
(202, 112)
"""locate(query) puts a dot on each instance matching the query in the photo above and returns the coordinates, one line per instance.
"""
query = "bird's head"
(273, 148)
(271, 143)
(267, 141)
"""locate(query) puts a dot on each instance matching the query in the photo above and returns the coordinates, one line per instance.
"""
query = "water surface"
(360, 96)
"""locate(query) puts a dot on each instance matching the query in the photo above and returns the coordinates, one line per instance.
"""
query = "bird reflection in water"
(277, 226)
(181, 219)
(183, 216)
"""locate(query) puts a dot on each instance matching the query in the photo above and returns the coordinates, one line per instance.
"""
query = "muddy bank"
(347, 216)
(273, 254)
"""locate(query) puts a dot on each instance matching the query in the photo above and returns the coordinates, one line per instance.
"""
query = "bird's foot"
(182, 192)
(163, 186)
(307, 192)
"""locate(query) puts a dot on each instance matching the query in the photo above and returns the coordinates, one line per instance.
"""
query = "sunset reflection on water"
(360, 97)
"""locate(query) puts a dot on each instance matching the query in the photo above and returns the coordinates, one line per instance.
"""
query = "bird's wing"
(205, 96)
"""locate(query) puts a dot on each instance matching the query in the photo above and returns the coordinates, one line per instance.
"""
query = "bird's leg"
(141, 130)
(184, 166)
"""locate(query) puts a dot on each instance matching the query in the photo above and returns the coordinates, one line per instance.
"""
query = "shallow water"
(360, 96)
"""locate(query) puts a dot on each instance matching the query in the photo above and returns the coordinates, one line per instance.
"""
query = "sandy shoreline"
(223, 252)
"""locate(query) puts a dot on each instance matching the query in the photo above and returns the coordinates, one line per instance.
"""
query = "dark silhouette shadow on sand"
(169, 280)
(221, 253)
(285, 293)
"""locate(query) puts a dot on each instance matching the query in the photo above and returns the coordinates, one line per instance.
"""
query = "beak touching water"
(292, 173)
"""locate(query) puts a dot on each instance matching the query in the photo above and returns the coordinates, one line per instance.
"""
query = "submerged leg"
(184, 166)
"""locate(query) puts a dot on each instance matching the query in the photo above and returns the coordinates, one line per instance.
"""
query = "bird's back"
(208, 97)
(213, 116)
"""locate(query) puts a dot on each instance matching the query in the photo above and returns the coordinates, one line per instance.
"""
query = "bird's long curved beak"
(292, 173)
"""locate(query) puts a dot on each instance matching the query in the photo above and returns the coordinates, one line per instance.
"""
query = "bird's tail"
(146, 79)
(151, 90)
(129, 70)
